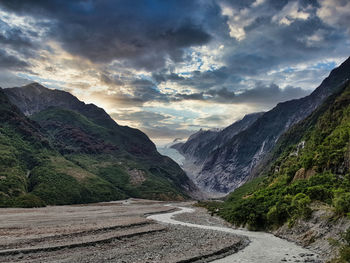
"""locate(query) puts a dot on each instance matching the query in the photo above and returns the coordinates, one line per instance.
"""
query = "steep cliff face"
(202, 143)
(228, 166)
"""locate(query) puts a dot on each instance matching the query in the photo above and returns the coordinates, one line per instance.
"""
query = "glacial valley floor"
(108, 232)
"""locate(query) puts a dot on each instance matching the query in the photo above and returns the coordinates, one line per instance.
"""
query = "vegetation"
(71, 159)
(312, 168)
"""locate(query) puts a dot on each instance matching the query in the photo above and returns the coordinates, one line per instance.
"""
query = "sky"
(171, 67)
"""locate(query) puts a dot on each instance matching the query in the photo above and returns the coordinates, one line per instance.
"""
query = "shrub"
(320, 192)
(345, 253)
(342, 202)
(301, 204)
(28, 201)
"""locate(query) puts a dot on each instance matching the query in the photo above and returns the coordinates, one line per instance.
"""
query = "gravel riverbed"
(107, 232)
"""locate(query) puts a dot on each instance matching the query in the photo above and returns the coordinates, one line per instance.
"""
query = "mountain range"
(219, 162)
(303, 191)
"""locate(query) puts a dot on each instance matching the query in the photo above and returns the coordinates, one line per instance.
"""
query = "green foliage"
(54, 188)
(341, 201)
(345, 253)
(300, 203)
(95, 189)
(28, 201)
(78, 157)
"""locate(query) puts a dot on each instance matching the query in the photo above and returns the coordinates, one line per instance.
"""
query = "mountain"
(59, 150)
(303, 194)
(201, 144)
(34, 98)
(230, 164)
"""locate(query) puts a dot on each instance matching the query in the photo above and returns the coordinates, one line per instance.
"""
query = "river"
(263, 248)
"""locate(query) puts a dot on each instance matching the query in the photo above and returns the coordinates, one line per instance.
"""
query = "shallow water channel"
(263, 248)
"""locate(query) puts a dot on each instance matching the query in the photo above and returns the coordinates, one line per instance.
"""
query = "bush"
(301, 204)
(320, 193)
(347, 236)
(342, 203)
(345, 253)
(28, 201)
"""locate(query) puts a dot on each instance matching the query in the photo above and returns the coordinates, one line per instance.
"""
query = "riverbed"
(263, 247)
(117, 232)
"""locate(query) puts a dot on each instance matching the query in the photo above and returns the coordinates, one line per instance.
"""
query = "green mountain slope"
(32, 173)
(60, 156)
(96, 149)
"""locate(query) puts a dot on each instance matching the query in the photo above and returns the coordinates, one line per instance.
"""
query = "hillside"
(307, 186)
(234, 161)
(65, 156)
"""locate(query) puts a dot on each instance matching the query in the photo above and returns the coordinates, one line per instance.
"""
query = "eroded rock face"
(137, 177)
(221, 166)
(302, 174)
(317, 231)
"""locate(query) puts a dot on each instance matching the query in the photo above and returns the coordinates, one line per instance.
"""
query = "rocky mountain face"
(65, 151)
(229, 164)
(303, 191)
(203, 142)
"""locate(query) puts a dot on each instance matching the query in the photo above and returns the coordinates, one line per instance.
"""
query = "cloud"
(196, 79)
(263, 95)
(214, 120)
(270, 95)
(143, 34)
(8, 80)
(153, 124)
(193, 63)
(291, 12)
(8, 61)
(335, 13)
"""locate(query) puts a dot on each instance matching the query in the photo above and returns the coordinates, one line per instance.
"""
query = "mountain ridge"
(232, 164)
(84, 158)
(302, 193)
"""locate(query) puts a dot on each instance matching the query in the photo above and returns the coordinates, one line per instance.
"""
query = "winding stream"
(264, 247)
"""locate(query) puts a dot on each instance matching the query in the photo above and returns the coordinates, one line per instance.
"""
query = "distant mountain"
(203, 142)
(220, 167)
(65, 151)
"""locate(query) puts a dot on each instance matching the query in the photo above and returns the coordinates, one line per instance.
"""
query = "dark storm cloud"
(147, 91)
(8, 61)
(269, 45)
(198, 80)
(144, 33)
(264, 95)
(13, 36)
(19, 40)
(110, 80)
